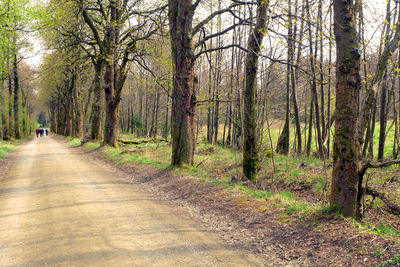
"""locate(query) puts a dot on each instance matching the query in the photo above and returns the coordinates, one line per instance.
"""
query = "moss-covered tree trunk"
(97, 107)
(112, 114)
(345, 150)
(251, 159)
(112, 103)
(184, 82)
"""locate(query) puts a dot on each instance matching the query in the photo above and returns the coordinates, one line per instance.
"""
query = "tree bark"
(251, 160)
(345, 178)
(382, 130)
(293, 77)
(68, 112)
(10, 104)
(284, 139)
(78, 114)
(184, 82)
(17, 129)
(321, 72)
(97, 106)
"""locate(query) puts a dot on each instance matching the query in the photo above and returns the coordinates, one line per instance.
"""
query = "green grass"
(385, 229)
(75, 142)
(112, 153)
(260, 194)
(92, 145)
(5, 148)
(395, 261)
(382, 229)
(299, 208)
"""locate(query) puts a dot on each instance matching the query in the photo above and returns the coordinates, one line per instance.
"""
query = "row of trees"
(153, 68)
(16, 89)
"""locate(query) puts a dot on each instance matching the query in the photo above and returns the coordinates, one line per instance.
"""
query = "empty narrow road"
(58, 208)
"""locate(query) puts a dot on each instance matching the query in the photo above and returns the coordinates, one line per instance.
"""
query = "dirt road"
(58, 208)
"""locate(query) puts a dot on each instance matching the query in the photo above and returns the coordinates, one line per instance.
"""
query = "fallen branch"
(394, 208)
(367, 165)
(133, 142)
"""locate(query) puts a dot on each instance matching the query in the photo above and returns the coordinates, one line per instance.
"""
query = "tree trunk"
(5, 134)
(68, 111)
(110, 83)
(382, 130)
(165, 130)
(371, 137)
(210, 105)
(284, 139)
(314, 93)
(112, 112)
(251, 159)
(78, 116)
(294, 84)
(329, 87)
(310, 124)
(17, 129)
(184, 82)
(97, 107)
(345, 177)
(10, 105)
(321, 72)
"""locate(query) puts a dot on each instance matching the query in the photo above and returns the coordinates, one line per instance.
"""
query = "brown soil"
(322, 239)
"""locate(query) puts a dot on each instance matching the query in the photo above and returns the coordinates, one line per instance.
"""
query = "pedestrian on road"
(41, 132)
(37, 132)
(47, 132)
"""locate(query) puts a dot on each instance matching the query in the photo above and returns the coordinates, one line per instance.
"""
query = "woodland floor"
(247, 216)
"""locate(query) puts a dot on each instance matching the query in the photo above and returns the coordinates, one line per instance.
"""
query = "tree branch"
(367, 165)
(394, 208)
(219, 48)
(201, 24)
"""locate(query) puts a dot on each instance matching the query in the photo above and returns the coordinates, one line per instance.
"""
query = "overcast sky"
(375, 8)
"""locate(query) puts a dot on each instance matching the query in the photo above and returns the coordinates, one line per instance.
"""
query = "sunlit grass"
(75, 142)
(5, 148)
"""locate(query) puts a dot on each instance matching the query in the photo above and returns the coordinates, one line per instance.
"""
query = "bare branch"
(201, 24)
(376, 165)
(219, 48)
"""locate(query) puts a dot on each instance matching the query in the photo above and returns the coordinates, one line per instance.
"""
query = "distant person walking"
(37, 132)
(41, 132)
(47, 132)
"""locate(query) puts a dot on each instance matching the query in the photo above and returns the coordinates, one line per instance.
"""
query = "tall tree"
(344, 188)
(122, 25)
(251, 158)
(185, 81)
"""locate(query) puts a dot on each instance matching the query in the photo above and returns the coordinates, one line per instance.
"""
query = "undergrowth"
(5, 148)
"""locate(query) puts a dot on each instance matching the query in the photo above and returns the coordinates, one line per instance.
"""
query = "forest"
(295, 101)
